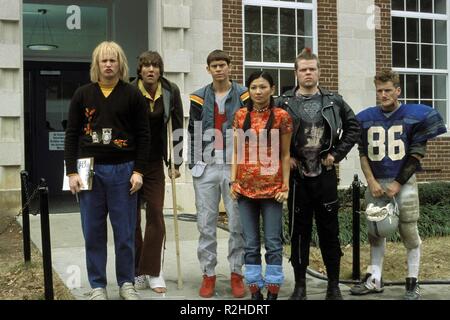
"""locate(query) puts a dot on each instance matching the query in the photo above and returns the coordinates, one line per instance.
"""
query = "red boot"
(208, 286)
(256, 292)
(272, 291)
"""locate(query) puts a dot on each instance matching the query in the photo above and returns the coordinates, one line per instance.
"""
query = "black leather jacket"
(342, 131)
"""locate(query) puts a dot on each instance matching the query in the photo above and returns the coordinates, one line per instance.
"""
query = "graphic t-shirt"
(310, 137)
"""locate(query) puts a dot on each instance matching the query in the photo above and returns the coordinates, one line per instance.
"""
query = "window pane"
(402, 85)
(440, 86)
(300, 45)
(303, 43)
(274, 74)
(441, 107)
(441, 57)
(287, 48)
(426, 30)
(270, 20)
(427, 57)
(398, 29)
(252, 19)
(287, 21)
(304, 22)
(440, 7)
(249, 71)
(412, 86)
(427, 102)
(270, 48)
(287, 80)
(252, 47)
(440, 32)
(426, 87)
(398, 55)
(308, 42)
(412, 56)
(398, 5)
(426, 6)
(412, 25)
(412, 5)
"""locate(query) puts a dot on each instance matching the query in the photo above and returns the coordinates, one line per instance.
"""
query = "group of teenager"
(249, 149)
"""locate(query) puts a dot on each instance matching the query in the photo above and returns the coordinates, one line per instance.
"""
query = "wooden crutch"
(174, 203)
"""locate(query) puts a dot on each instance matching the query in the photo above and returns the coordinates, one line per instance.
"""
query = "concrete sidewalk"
(68, 257)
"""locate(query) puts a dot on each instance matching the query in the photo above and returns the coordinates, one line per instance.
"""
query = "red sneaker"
(208, 286)
(237, 285)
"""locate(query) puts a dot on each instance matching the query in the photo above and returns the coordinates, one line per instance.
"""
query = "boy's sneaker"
(237, 285)
(208, 286)
(128, 292)
(412, 289)
(367, 286)
(140, 282)
(98, 294)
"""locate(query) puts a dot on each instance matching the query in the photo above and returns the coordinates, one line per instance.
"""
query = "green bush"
(434, 214)
(436, 193)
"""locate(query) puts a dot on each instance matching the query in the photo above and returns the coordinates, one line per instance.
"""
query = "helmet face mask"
(382, 222)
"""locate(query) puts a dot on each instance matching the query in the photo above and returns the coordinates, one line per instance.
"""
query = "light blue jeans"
(271, 211)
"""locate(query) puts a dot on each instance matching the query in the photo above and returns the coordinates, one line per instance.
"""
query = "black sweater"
(111, 129)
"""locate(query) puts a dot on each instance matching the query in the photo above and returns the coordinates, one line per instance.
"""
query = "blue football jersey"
(386, 140)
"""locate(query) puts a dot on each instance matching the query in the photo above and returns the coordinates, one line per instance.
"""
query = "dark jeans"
(110, 194)
(316, 197)
(149, 248)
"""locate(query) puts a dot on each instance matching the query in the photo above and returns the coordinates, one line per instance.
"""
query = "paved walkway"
(68, 257)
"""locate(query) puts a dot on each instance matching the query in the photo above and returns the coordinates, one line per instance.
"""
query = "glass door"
(49, 87)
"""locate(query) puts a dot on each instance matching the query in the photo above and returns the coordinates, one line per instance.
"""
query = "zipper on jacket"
(331, 129)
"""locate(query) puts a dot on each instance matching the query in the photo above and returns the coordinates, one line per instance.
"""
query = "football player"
(393, 141)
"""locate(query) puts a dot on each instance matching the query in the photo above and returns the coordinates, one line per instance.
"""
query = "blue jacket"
(201, 119)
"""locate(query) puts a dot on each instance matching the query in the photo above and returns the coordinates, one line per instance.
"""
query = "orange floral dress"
(258, 175)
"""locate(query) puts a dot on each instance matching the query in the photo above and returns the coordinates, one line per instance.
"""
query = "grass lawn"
(17, 280)
(434, 264)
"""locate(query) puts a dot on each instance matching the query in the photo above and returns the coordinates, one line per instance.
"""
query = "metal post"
(356, 228)
(25, 217)
(46, 246)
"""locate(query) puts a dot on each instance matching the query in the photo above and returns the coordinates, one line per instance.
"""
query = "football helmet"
(382, 222)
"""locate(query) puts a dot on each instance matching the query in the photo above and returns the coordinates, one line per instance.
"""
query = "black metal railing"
(25, 216)
(356, 193)
(42, 190)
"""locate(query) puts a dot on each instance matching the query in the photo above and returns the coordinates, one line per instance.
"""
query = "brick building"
(354, 39)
